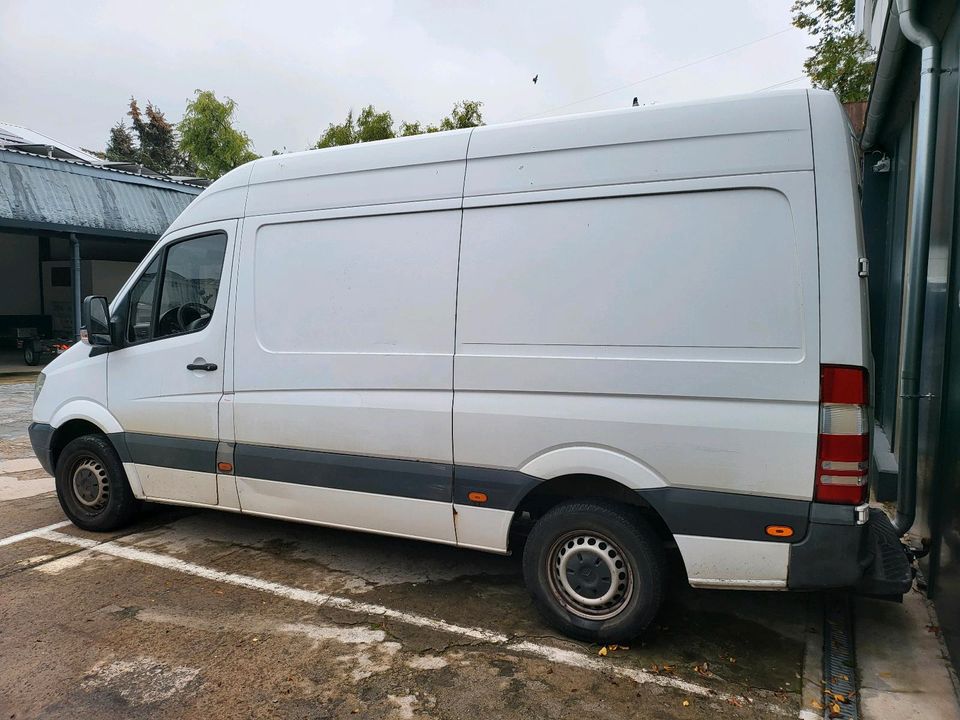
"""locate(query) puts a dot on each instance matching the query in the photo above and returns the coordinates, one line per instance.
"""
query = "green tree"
(465, 114)
(416, 128)
(344, 133)
(838, 61)
(208, 138)
(372, 125)
(120, 147)
(368, 126)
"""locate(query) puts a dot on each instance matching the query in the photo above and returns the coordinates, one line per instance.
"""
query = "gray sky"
(67, 68)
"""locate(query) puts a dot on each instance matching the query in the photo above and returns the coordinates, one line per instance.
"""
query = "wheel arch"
(68, 432)
(76, 419)
(581, 486)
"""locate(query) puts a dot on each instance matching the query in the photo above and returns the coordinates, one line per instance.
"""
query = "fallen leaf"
(603, 651)
(686, 703)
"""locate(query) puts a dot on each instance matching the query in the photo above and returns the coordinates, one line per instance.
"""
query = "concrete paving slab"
(18, 465)
(94, 634)
(903, 667)
(13, 488)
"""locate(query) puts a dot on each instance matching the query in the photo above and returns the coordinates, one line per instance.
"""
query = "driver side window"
(184, 299)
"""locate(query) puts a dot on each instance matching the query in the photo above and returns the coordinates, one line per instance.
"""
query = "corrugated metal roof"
(16, 134)
(52, 193)
(15, 137)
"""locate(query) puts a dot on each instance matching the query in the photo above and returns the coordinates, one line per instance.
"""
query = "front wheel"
(30, 354)
(596, 570)
(92, 486)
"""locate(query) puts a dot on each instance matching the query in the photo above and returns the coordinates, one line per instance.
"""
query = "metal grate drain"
(840, 699)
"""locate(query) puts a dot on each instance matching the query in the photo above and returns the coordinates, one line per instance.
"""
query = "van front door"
(164, 385)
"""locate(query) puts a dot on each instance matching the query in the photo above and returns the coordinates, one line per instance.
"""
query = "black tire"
(603, 543)
(30, 354)
(92, 486)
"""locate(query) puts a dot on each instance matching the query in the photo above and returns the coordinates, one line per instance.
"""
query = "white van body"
(634, 303)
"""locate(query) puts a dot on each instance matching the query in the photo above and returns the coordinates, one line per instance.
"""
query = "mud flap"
(889, 572)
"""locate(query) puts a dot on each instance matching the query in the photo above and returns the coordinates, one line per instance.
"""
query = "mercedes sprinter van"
(591, 338)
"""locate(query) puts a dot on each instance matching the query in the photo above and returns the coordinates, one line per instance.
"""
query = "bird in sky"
(535, 78)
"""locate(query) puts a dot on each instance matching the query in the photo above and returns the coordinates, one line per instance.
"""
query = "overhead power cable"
(660, 74)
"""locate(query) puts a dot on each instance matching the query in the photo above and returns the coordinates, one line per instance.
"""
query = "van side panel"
(741, 136)
(673, 324)
(344, 344)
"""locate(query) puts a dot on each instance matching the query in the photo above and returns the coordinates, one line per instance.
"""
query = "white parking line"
(11, 539)
(557, 655)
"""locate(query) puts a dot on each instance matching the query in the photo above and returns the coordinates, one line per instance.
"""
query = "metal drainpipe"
(918, 250)
(75, 246)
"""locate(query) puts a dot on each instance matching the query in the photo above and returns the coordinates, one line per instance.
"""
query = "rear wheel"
(595, 569)
(92, 486)
(29, 354)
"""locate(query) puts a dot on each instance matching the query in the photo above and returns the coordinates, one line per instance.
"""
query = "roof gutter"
(888, 64)
(917, 252)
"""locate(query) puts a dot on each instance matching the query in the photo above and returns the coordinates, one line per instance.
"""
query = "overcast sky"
(67, 68)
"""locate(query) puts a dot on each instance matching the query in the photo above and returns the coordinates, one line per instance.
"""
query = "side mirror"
(95, 318)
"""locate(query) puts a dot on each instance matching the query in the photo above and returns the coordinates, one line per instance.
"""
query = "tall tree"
(120, 147)
(416, 128)
(838, 61)
(368, 126)
(157, 148)
(208, 138)
(465, 114)
(372, 125)
(344, 133)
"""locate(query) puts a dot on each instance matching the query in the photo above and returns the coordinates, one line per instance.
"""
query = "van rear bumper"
(41, 436)
(851, 548)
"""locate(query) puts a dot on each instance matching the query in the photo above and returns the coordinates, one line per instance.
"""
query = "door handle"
(206, 367)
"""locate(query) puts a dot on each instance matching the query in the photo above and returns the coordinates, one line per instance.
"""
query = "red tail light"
(843, 457)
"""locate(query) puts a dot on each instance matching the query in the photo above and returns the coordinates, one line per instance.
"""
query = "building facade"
(72, 225)
(893, 183)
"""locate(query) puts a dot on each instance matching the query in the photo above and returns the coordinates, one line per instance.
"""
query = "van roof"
(763, 132)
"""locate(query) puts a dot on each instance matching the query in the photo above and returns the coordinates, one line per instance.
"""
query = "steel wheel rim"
(90, 484)
(590, 575)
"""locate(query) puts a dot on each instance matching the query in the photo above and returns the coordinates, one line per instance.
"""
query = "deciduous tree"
(371, 125)
(208, 138)
(838, 61)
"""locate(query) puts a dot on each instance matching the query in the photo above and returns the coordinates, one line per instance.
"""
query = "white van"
(595, 338)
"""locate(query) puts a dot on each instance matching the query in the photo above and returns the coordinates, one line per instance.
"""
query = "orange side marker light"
(477, 497)
(780, 531)
(224, 467)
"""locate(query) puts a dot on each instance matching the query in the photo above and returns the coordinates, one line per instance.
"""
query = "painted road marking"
(19, 465)
(10, 539)
(571, 658)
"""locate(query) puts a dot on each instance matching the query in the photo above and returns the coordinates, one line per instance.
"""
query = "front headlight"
(38, 387)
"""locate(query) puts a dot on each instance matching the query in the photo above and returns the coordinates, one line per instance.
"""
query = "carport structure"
(71, 225)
